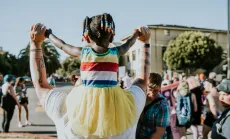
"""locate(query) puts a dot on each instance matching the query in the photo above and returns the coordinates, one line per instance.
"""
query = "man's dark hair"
(155, 80)
(98, 33)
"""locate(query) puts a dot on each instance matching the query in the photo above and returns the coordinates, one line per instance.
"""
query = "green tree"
(8, 63)
(51, 58)
(192, 50)
(61, 72)
(71, 63)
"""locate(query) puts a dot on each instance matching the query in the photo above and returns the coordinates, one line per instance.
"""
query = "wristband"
(48, 32)
(147, 45)
(35, 50)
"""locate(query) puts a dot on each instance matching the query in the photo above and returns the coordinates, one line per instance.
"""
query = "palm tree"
(51, 58)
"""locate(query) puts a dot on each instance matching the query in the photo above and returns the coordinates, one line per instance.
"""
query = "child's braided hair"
(100, 28)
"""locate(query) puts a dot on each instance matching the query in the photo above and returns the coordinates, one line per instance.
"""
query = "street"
(42, 124)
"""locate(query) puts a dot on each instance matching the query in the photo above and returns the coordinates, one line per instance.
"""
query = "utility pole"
(228, 47)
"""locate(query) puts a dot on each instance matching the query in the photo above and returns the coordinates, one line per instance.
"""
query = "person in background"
(173, 117)
(156, 115)
(166, 80)
(210, 110)
(8, 103)
(186, 105)
(194, 87)
(220, 129)
(197, 77)
(51, 80)
(127, 81)
(20, 90)
(120, 82)
(202, 79)
(175, 79)
(212, 76)
(184, 78)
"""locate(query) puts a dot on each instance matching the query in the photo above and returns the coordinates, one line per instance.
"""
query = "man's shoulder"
(161, 103)
(163, 100)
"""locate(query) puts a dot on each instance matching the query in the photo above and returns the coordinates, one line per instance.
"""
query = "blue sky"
(65, 17)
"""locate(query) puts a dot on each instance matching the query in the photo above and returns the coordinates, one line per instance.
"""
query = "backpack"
(184, 109)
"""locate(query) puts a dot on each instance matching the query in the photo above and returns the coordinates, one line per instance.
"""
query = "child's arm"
(69, 49)
(130, 42)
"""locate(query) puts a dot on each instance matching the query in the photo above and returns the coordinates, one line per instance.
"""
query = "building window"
(133, 55)
(166, 32)
(164, 66)
(139, 52)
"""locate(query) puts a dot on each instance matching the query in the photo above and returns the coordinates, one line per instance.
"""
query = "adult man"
(220, 129)
(156, 115)
(212, 106)
(54, 101)
(212, 76)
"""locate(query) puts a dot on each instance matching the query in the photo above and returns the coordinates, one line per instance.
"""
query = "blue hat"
(224, 86)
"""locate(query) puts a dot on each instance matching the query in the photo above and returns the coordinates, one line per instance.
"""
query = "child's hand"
(37, 33)
(145, 34)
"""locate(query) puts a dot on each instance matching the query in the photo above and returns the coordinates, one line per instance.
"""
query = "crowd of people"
(198, 101)
(97, 107)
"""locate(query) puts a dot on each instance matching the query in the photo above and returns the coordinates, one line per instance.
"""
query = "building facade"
(160, 37)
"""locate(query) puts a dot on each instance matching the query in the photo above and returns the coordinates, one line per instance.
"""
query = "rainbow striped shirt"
(99, 70)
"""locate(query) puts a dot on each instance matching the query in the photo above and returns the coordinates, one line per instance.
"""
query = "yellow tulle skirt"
(101, 112)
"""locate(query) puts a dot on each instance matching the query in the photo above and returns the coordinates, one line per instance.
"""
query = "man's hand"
(136, 32)
(37, 33)
(144, 34)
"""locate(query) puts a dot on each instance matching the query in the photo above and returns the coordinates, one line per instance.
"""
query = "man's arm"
(194, 103)
(212, 105)
(69, 49)
(130, 42)
(37, 65)
(162, 119)
(12, 93)
(159, 132)
(142, 73)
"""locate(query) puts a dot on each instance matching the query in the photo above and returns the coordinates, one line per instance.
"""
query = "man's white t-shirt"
(55, 107)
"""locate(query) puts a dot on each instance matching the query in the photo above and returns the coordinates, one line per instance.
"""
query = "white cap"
(212, 75)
